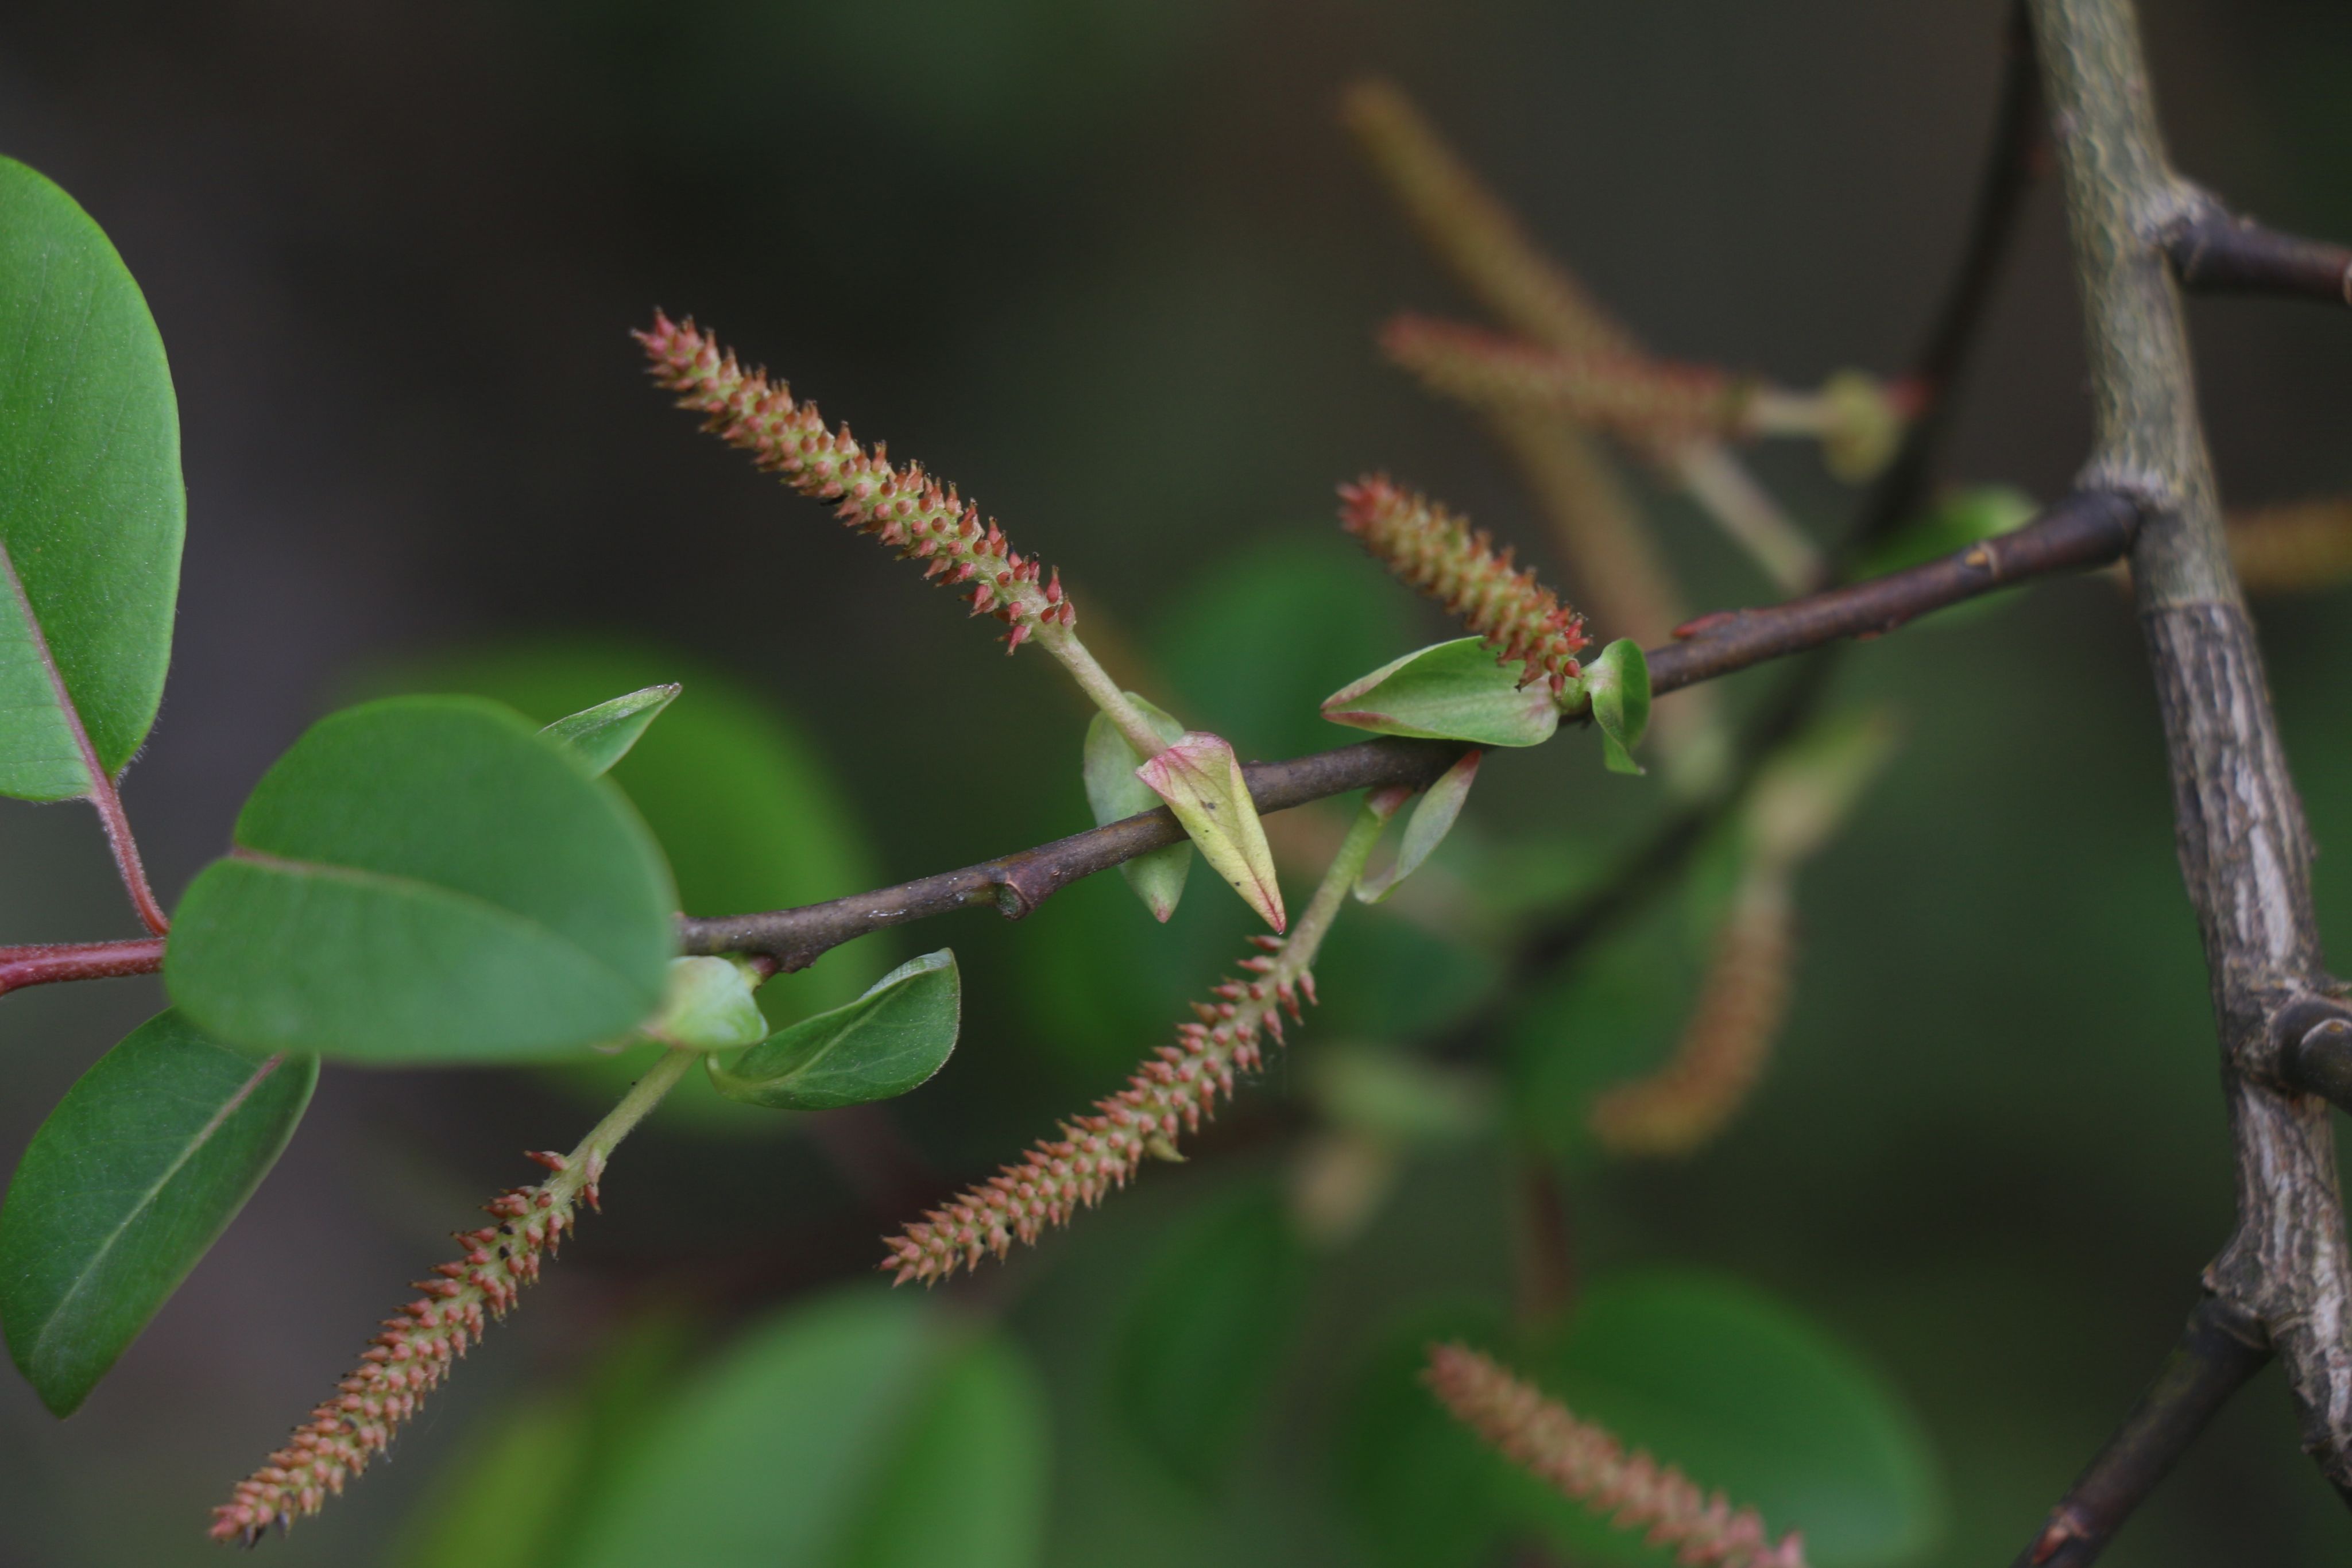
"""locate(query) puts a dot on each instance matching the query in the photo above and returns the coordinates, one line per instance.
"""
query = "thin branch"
(48, 962)
(2215, 252)
(2218, 1351)
(2012, 164)
(2087, 528)
(2081, 530)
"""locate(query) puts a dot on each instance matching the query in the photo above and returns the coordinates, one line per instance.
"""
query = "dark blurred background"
(1113, 269)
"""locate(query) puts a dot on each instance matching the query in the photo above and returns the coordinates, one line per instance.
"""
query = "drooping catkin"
(416, 1349)
(1587, 1462)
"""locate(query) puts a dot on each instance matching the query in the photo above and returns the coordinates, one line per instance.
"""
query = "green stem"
(1096, 682)
(586, 1166)
(1307, 933)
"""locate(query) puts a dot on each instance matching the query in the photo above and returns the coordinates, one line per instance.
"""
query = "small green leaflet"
(1113, 792)
(1433, 817)
(602, 736)
(886, 1043)
(1618, 683)
(1449, 691)
(428, 879)
(92, 510)
(133, 1175)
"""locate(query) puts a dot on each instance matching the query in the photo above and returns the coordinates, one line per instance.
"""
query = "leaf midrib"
(205, 1135)
(418, 887)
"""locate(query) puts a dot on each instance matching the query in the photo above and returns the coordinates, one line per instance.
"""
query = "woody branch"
(2244, 850)
(2082, 530)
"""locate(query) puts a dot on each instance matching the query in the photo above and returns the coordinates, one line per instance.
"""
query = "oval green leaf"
(1200, 1350)
(745, 807)
(602, 736)
(92, 510)
(1113, 792)
(887, 1042)
(133, 1175)
(1449, 691)
(862, 1432)
(1747, 1395)
(428, 879)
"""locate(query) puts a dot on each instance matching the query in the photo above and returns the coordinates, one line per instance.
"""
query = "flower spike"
(418, 1346)
(1432, 550)
(1726, 1046)
(1173, 1092)
(1587, 1463)
(900, 505)
(404, 1362)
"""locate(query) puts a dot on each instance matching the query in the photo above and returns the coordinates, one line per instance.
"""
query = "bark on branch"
(2219, 1350)
(2244, 851)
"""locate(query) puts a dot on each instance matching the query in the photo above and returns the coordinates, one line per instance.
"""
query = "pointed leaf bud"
(1432, 820)
(1201, 779)
(709, 1006)
(1114, 791)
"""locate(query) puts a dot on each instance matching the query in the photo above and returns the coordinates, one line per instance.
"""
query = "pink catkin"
(1438, 553)
(1650, 402)
(1588, 1463)
(903, 507)
(1171, 1091)
(402, 1364)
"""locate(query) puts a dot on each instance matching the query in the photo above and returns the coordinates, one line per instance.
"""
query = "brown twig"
(2219, 1350)
(2213, 250)
(2087, 528)
(2081, 530)
(44, 963)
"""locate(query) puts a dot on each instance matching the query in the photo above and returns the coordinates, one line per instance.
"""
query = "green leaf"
(862, 1432)
(1618, 682)
(1420, 1490)
(1113, 792)
(1449, 691)
(744, 804)
(514, 1491)
(1431, 819)
(1201, 1347)
(1747, 1395)
(887, 1042)
(1398, 1096)
(92, 510)
(602, 736)
(428, 879)
(138, 1170)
